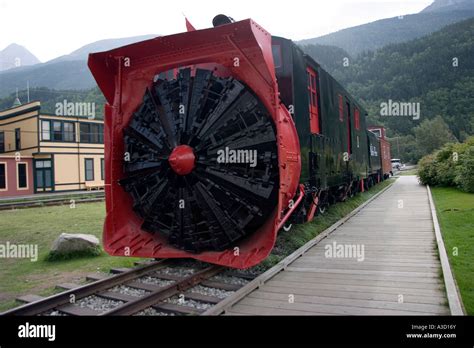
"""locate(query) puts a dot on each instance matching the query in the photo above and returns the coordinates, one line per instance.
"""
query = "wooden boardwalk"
(398, 273)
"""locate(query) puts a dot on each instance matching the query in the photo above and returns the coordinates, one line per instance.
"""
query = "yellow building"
(67, 151)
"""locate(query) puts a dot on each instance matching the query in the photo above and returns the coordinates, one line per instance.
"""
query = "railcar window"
(276, 51)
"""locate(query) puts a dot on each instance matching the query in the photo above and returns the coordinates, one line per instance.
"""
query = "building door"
(43, 176)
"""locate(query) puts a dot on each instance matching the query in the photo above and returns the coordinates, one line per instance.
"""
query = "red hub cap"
(182, 159)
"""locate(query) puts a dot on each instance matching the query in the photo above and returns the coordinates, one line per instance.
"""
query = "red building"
(16, 176)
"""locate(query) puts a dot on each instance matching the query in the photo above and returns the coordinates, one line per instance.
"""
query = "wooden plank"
(432, 299)
(315, 276)
(71, 309)
(378, 282)
(29, 298)
(355, 265)
(389, 305)
(202, 298)
(366, 287)
(97, 276)
(324, 308)
(67, 286)
(387, 259)
(242, 309)
(173, 308)
(221, 285)
(345, 271)
(143, 286)
(119, 270)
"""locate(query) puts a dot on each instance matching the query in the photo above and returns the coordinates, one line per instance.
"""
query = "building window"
(68, 131)
(60, 131)
(17, 139)
(102, 169)
(3, 176)
(341, 108)
(377, 132)
(2, 142)
(92, 133)
(45, 130)
(22, 173)
(57, 131)
(89, 169)
(357, 118)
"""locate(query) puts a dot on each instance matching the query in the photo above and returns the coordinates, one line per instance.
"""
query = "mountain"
(329, 57)
(380, 33)
(448, 5)
(65, 72)
(436, 71)
(99, 46)
(14, 56)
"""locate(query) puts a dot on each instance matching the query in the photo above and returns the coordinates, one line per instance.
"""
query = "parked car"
(396, 164)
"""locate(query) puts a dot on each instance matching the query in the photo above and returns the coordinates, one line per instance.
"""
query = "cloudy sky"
(50, 28)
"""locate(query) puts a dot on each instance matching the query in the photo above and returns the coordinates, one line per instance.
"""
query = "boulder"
(68, 243)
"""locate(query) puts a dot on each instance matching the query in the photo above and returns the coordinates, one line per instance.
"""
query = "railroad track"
(153, 288)
(50, 202)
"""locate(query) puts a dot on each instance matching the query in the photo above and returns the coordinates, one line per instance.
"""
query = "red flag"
(189, 26)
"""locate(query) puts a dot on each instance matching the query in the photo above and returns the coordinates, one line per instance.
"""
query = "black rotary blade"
(233, 186)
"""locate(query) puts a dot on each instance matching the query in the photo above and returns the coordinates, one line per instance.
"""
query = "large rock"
(68, 243)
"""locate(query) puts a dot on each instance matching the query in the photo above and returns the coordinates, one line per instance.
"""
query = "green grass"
(41, 226)
(51, 197)
(289, 241)
(455, 210)
(413, 171)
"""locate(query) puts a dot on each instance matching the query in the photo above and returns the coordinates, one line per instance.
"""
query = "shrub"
(465, 171)
(452, 165)
(427, 170)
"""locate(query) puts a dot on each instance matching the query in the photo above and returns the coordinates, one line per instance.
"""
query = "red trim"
(313, 101)
(349, 135)
(291, 210)
(357, 118)
(189, 26)
(312, 207)
(341, 108)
